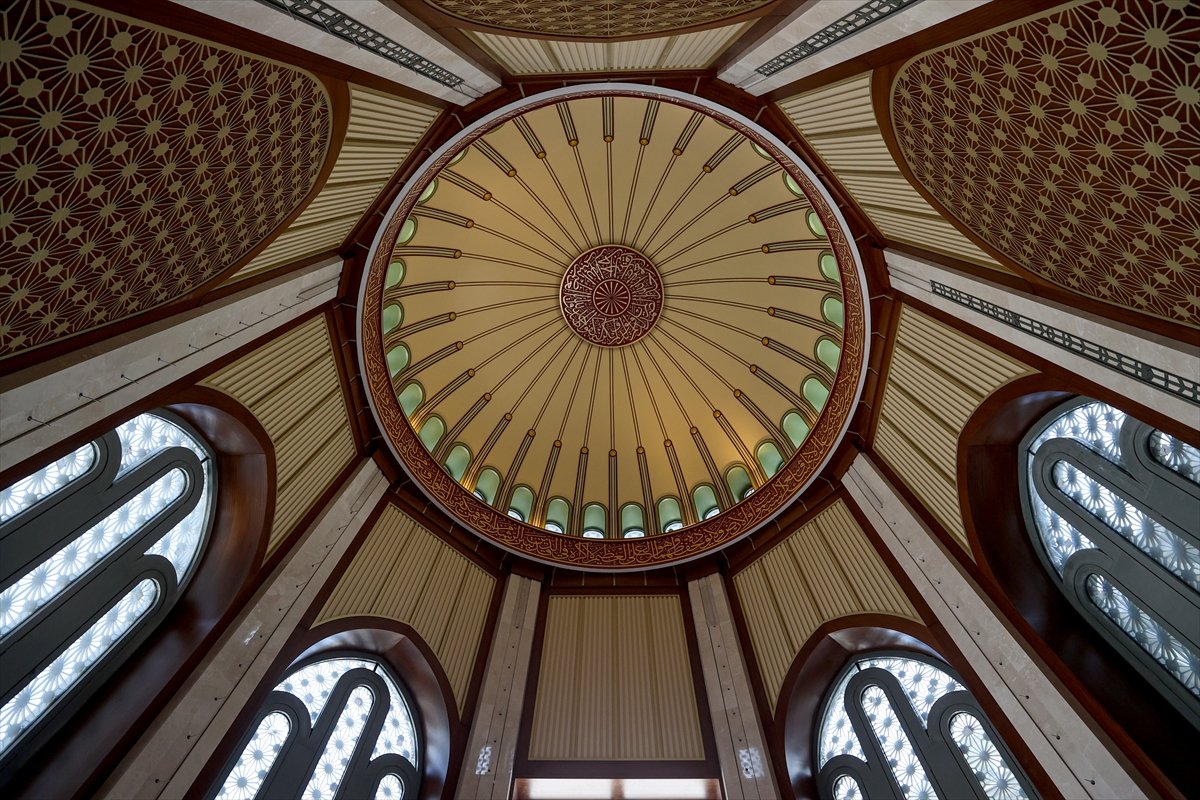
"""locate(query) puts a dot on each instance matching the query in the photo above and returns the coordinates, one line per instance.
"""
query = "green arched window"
(795, 428)
(670, 517)
(633, 521)
(432, 431)
(595, 521)
(487, 484)
(558, 515)
(521, 505)
(738, 481)
(768, 456)
(457, 461)
(705, 499)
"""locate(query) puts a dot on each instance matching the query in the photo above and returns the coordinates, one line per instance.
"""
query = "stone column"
(1077, 761)
(487, 770)
(167, 759)
(741, 746)
(45, 404)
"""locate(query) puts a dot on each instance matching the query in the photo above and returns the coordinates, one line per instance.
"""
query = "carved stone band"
(611, 295)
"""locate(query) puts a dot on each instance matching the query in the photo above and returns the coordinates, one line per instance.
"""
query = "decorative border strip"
(1177, 385)
(867, 14)
(329, 19)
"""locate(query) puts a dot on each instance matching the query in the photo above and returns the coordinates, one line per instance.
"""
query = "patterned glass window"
(1114, 506)
(95, 549)
(335, 727)
(900, 727)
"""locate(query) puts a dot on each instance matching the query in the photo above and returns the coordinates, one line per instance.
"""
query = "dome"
(613, 326)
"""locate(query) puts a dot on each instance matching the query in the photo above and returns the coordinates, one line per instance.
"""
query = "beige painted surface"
(381, 132)
(825, 570)
(291, 386)
(684, 51)
(406, 573)
(936, 379)
(615, 682)
(839, 122)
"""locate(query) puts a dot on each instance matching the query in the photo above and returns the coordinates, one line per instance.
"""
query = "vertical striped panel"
(406, 573)
(381, 132)
(291, 386)
(825, 570)
(615, 682)
(522, 56)
(839, 122)
(937, 377)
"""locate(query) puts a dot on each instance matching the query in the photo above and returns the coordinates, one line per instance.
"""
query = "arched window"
(595, 521)
(633, 521)
(705, 500)
(670, 517)
(95, 549)
(487, 485)
(558, 515)
(337, 726)
(432, 431)
(1114, 506)
(521, 505)
(898, 727)
(457, 461)
(769, 458)
(411, 396)
(739, 483)
(795, 427)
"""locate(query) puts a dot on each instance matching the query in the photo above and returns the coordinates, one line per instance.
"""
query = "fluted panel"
(839, 122)
(825, 570)
(406, 573)
(615, 682)
(937, 377)
(291, 386)
(522, 56)
(381, 132)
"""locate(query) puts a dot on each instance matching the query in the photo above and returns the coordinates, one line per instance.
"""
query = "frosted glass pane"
(1146, 631)
(390, 788)
(1176, 455)
(331, 767)
(837, 736)
(984, 759)
(255, 762)
(27, 491)
(846, 788)
(146, 434)
(1098, 425)
(898, 749)
(47, 580)
(37, 697)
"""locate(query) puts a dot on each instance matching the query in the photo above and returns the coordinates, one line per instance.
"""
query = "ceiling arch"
(615, 311)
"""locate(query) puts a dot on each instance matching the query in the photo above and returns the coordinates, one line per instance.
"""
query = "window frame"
(1114, 558)
(101, 586)
(276, 700)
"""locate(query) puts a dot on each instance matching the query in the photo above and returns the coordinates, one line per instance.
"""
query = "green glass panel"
(595, 518)
(558, 513)
(411, 397)
(395, 273)
(829, 353)
(739, 482)
(521, 505)
(393, 315)
(669, 514)
(428, 193)
(397, 359)
(795, 427)
(705, 499)
(792, 186)
(407, 231)
(461, 155)
(457, 461)
(814, 224)
(431, 432)
(760, 151)
(768, 455)
(833, 311)
(632, 518)
(816, 393)
(829, 267)
(488, 484)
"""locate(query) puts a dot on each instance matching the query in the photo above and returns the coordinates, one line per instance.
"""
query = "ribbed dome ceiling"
(613, 313)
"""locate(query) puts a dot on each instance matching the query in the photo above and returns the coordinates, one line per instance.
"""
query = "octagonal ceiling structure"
(613, 327)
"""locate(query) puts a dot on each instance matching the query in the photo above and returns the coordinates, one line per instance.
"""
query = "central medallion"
(611, 295)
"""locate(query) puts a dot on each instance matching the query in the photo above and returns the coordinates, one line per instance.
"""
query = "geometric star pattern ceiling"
(595, 19)
(1071, 145)
(136, 165)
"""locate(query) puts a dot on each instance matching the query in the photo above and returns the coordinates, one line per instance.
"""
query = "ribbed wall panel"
(839, 122)
(937, 377)
(615, 682)
(517, 54)
(825, 570)
(406, 573)
(380, 133)
(291, 386)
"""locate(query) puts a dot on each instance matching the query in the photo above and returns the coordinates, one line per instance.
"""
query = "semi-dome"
(613, 326)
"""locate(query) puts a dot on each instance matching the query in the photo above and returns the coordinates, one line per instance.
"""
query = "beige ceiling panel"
(937, 377)
(839, 122)
(291, 386)
(826, 569)
(381, 132)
